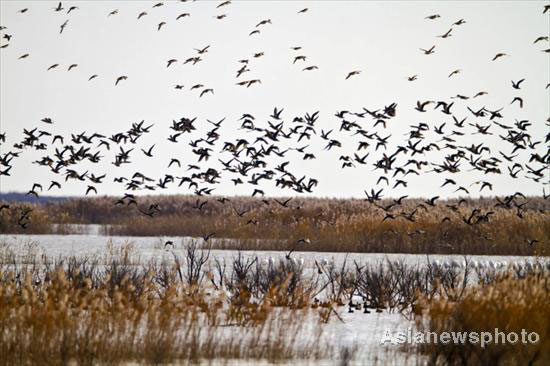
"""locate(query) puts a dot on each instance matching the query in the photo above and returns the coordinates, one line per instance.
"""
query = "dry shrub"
(509, 304)
(84, 312)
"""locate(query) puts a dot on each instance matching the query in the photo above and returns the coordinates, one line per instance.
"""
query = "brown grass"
(509, 304)
(332, 225)
(74, 313)
(114, 309)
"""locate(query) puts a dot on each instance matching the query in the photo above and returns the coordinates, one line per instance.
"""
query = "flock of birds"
(249, 160)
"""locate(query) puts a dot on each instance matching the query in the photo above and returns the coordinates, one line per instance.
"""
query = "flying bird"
(428, 51)
(120, 78)
(515, 85)
(455, 72)
(519, 100)
(309, 68)
(62, 27)
(499, 55)
(201, 51)
(355, 72)
(206, 91)
(263, 22)
(447, 34)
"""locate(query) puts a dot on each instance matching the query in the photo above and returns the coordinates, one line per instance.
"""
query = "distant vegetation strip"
(486, 226)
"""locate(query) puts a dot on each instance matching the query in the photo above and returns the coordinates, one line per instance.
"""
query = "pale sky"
(382, 39)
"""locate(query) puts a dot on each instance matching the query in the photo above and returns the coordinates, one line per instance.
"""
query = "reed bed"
(115, 309)
(509, 304)
(77, 312)
(331, 225)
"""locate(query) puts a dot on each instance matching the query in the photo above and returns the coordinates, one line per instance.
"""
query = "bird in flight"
(499, 55)
(303, 11)
(352, 73)
(202, 50)
(120, 78)
(432, 17)
(263, 22)
(62, 27)
(429, 51)
(455, 72)
(149, 152)
(299, 58)
(309, 68)
(519, 100)
(446, 35)
(515, 85)
(206, 91)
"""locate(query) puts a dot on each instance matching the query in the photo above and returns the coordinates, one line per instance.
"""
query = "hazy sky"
(382, 39)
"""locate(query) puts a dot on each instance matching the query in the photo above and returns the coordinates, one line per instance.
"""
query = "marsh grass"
(75, 311)
(510, 303)
(332, 225)
(115, 309)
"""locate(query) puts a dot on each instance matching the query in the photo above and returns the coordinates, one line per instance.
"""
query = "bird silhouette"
(120, 78)
(428, 51)
(350, 74)
(499, 55)
(516, 85)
